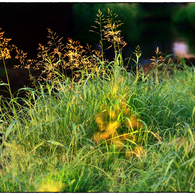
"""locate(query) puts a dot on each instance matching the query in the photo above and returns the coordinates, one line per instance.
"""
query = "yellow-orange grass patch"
(119, 144)
(112, 127)
(138, 152)
(112, 114)
(133, 122)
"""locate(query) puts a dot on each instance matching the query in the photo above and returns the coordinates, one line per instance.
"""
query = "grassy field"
(106, 131)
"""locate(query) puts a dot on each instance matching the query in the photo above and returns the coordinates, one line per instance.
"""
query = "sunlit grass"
(104, 132)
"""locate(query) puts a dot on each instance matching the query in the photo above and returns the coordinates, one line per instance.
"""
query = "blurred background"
(169, 26)
(166, 25)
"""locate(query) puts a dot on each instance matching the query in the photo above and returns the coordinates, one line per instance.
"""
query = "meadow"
(101, 128)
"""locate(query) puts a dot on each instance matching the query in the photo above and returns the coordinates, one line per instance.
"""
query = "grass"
(55, 141)
(128, 13)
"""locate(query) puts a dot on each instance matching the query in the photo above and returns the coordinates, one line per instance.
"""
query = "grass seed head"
(128, 153)
(112, 126)
(104, 136)
(127, 111)
(133, 122)
(112, 114)
(101, 127)
(117, 143)
(139, 152)
(99, 119)
(97, 138)
(123, 103)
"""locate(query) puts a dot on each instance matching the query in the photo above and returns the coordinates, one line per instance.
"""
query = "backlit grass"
(104, 132)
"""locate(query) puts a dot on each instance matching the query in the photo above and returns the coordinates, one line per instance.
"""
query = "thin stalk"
(6, 73)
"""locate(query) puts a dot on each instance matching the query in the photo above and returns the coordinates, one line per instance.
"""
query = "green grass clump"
(48, 140)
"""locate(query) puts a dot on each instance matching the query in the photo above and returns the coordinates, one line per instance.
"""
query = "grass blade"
(10, 128)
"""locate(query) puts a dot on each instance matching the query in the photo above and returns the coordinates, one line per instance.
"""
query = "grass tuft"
(101, 128)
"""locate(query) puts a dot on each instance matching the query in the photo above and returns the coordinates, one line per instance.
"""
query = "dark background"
(149, 25)
(27, 23)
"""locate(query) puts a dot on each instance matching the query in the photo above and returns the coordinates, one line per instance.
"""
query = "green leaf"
(38, 145)
(193, 111)
(19, 183)
(168, 166)
(56, 143)
(10, 128)
(3, 84)
(191, 161)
